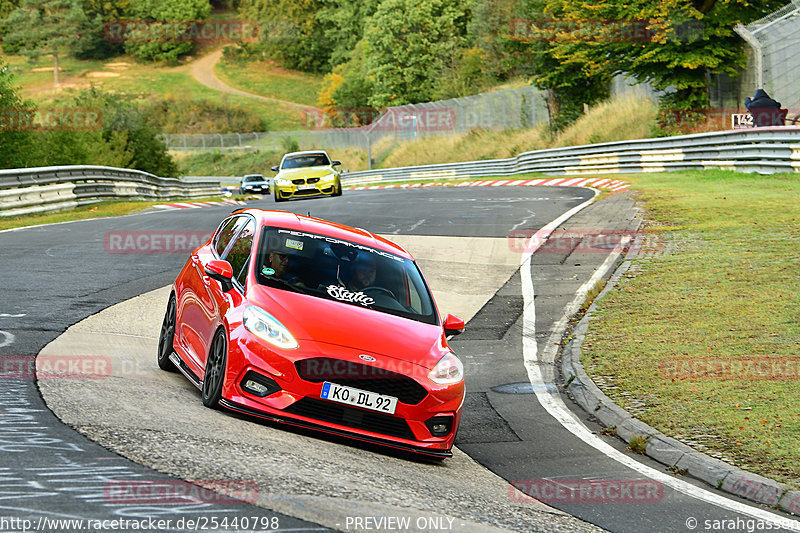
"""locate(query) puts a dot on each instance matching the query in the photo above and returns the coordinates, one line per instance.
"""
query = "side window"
(239, 252)
(227, 232)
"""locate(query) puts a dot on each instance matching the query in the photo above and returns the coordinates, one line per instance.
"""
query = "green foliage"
(183, 115)
(46, 27)
(7, 6)
(290, 32)
(687, 41)
(127, 123)
(13, 143)
(569, 83)
(343, 22)
(290, 144)
(410, 42)
(155, 11)
(356, 87)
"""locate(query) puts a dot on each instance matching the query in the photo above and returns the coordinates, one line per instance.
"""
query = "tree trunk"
(55, 67)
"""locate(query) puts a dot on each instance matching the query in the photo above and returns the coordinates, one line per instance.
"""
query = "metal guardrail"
(763, 150)
(35, 190)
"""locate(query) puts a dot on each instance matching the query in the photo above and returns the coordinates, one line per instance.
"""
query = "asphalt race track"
(57, 276)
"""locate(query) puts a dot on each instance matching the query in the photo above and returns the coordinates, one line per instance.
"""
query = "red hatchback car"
(319, 325)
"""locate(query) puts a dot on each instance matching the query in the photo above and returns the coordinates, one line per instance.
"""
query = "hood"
(305, 172)
(309, 318)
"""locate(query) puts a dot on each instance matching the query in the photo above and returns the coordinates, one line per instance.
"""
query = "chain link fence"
(775, 40)
(499, 110)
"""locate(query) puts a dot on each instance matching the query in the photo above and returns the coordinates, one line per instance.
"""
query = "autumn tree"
(673, 44)
(409, 43)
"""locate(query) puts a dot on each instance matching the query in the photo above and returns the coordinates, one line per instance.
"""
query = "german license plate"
(306, 187)
(359, 398)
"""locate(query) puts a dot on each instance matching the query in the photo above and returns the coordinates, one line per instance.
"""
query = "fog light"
(440, 426)
(259, 385)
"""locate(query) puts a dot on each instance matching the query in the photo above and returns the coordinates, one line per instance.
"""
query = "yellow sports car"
(303, 174)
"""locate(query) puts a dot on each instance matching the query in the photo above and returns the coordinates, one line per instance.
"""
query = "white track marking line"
(554, 405)
(8, 339)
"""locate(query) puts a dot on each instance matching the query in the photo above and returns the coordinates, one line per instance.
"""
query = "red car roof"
(287, 220)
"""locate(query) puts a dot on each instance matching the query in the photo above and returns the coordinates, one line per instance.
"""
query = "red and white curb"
(196, 205)
(599, 183)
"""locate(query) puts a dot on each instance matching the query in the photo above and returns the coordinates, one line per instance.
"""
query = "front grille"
(351, 417)
(300, 181)
(364, 377)
(312, 180)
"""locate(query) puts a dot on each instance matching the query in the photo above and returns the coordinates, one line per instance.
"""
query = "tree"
(158, 42)
(291, 32)
(570, 81)
(46, 27)
(409, 43)
(685, 42)
(13, 141)
(343, 22)
(7, 7)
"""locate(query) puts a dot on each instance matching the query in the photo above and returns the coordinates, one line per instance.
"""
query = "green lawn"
(125, 74)
(266, 78)
(724, 293)
(109, 208)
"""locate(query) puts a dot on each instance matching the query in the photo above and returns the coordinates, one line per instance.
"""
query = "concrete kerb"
(664, 449)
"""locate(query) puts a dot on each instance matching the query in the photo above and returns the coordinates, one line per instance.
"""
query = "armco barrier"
(764, 150)
(34, 190)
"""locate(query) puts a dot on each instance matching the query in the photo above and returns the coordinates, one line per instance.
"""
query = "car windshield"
(306, 160)
(334, 269)
(254, 177)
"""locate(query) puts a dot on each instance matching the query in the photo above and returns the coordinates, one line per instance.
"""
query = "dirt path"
(203, 71)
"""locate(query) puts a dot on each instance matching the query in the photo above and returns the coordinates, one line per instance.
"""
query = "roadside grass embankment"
(702, 342)
(237, 164)
(615, 120)
(125, 74)
(106, 208)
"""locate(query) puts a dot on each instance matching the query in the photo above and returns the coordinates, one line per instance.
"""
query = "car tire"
(338, 190)
(278, 197)
(167, 338)
(214, 376)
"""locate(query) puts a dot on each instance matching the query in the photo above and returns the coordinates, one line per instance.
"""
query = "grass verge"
(267, 78)
(110, 208)
(615, 120)
(124, 74)
(725, 295)
(237, 164)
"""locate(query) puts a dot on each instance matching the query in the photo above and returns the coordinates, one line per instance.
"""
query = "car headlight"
(266, 327)
(328, 177)
(448, 370)
(282, 182)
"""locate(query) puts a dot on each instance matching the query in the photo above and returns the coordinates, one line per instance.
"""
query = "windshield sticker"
(297, 245)
(268, 271)
(343, 295)
(332, 240)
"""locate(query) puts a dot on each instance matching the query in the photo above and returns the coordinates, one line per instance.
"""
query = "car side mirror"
(453, 325)
(222, 272)
(334, 163)
(275, 168)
